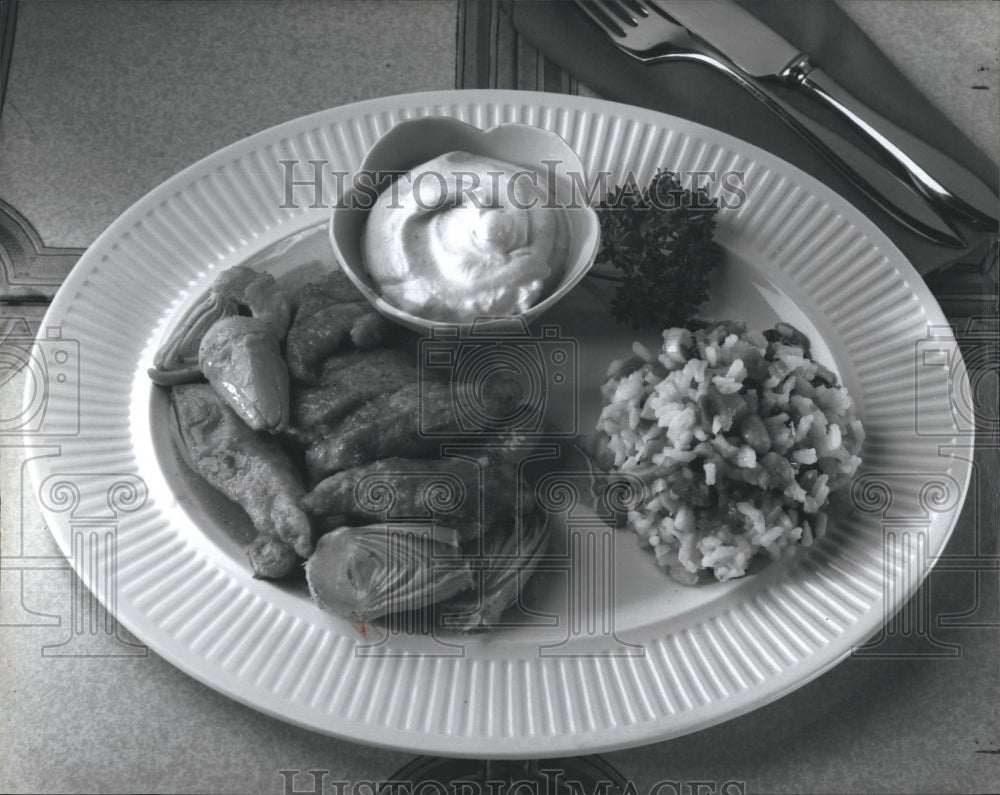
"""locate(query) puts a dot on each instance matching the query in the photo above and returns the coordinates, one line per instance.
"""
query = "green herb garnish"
(661, 240)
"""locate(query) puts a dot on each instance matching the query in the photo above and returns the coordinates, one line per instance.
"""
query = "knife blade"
(763, 53)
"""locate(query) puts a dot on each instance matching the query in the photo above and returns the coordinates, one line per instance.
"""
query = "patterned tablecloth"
(102, 101)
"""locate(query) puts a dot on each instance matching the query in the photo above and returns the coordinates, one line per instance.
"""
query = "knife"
(650, 37)
(762, 53)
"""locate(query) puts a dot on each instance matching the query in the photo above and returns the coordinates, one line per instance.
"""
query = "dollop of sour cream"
(464, 236)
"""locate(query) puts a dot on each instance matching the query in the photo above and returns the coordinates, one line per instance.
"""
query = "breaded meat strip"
(329, 313)
(411, 422)
(251, 469)
(347, 381)
(467, 494)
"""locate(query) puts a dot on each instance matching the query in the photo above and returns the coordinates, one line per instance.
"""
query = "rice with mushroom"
(739, 437)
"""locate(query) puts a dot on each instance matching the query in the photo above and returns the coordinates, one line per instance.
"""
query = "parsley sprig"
(660, 238)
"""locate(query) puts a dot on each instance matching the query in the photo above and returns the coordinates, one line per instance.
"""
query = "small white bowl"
(416, 141)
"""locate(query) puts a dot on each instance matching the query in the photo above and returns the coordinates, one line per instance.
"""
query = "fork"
(644, 33)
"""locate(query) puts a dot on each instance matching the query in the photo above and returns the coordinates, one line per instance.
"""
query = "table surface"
(105, 100)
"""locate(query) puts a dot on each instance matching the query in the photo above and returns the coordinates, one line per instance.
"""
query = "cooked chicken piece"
(411, 422)
(256, 294)
(252, 470)
(468, 495)
(332, 365)
(357, 379)
(329, 313)
(271, 557)
(369, 330)
(241, 358)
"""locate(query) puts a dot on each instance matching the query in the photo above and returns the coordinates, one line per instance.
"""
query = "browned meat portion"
(467, 495)
(411, 422)
(271, 557)
(329, 313)
(252, 470)
(347, 381)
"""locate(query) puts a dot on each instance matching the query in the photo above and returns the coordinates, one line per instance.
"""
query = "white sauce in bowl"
(464, 236)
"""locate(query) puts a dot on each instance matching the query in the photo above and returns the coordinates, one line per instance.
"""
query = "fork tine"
(600, 18)
(624, 10)
(651, 6)
(636, 26)
(638, 7)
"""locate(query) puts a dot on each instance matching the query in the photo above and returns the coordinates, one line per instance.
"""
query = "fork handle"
(892, 194)
(932, 172)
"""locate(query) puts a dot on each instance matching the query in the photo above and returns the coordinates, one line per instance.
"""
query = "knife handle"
(936, 175)
(877, 183)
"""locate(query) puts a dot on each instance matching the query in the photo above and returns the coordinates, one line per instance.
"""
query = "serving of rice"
(739, 437)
